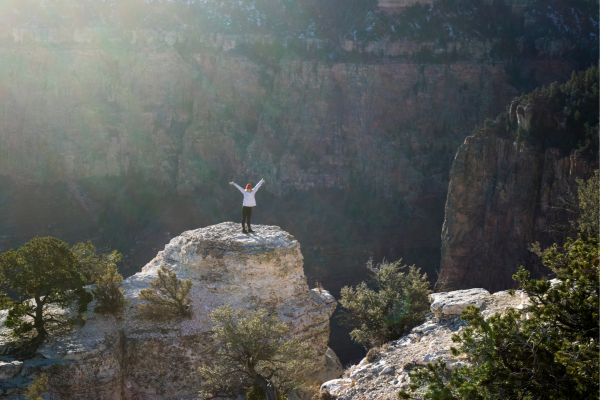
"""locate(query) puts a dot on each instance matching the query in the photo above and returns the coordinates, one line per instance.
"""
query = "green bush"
(92, 264)
(372, 355)
(108, 292)
(38, 388)
(588, 207)
(101, 270)
(167, 297)
(396, 302)
(42, 273)
(251, 349)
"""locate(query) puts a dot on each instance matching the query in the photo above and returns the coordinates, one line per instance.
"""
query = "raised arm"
(237, 186)
(258, 185)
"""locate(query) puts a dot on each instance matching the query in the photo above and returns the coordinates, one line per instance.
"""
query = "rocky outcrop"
(429, 342)
(502, 197)
(132, 358)
(395, 6)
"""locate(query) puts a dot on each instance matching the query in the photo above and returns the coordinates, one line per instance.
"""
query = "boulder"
(336, 385)
(389, 370)
(452, 303)
(332, 368)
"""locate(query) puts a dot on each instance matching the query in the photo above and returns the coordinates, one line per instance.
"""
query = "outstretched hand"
(231, 183)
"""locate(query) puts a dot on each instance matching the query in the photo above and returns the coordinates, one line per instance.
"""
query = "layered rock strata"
(429, 342)
(132, 358)
(502, 197)
(93, 120)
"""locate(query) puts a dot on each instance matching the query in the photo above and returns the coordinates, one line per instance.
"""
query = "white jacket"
(249, 200)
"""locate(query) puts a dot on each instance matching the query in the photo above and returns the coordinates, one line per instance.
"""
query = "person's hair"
(248, 187)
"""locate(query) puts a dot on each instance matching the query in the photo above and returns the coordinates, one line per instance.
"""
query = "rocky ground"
(431, 341)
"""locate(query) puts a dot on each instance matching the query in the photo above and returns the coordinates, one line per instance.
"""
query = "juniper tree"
(101, 270)
(168, 296)
(251, 349)
(108, 291)
(93, 264)
(38, 388)
(392, 303)
(42, 273)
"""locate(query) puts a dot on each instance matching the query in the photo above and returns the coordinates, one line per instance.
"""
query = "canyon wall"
(130, 137)
(502, 197)
(176, 113)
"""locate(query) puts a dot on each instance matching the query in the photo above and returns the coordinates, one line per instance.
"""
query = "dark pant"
(246, 213)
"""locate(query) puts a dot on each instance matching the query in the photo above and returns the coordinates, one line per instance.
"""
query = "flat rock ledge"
(128, 357)
(428, 342)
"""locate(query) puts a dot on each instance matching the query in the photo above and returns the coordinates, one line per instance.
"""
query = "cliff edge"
(128, 357)
(502, 197)
(429, 342)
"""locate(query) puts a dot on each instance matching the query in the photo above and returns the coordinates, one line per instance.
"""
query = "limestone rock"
(332, 368)
(10, 369)
(502, 197)
(452, 303)
(337, 385)
(389, 370)
(426, 343)
(133, 358)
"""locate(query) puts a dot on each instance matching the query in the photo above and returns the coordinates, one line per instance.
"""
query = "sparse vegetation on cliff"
(250, 349)
(395, 303)
(101, 270)
(38, 388)
(588, 194)
(562, 116)
(108, 291)
(547, 350)
(43, 273)
(167, 297)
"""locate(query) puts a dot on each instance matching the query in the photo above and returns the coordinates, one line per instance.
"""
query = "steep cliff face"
(175, 114)
(501, 198)
(132, 358)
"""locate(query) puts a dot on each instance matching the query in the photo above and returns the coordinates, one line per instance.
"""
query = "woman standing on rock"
(249, 202)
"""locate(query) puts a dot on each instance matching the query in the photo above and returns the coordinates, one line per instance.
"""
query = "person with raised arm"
(249, 202)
